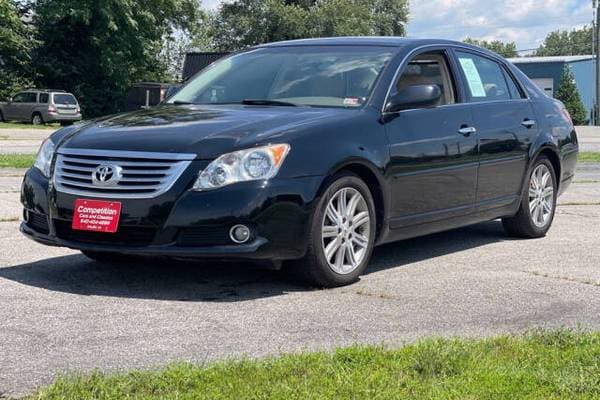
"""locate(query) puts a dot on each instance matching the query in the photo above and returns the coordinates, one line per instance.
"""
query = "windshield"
(65, 99)
(325, 76)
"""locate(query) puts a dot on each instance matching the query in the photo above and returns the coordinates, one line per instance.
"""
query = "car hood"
(206, 131)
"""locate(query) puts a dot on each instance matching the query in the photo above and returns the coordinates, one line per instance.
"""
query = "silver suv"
(40, 106)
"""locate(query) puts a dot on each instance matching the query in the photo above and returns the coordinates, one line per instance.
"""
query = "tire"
(534, 220)
(36, 119)
(315, 268)
(113, 258)
(66, 123)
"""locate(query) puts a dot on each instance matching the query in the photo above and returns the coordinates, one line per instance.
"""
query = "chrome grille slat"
(144, 175)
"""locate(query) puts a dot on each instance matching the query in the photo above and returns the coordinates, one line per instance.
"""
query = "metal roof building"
(546, 72)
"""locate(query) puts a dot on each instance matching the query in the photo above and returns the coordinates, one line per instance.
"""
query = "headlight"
(44, 157)
(254, 164)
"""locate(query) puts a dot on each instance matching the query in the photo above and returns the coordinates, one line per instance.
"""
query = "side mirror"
(414, 96)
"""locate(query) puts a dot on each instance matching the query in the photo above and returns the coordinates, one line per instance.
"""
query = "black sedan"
(307, 154)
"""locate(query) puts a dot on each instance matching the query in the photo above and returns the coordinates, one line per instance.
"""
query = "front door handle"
(528, 123)
(467, 131)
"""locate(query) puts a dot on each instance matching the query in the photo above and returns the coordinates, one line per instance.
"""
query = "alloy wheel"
(345, 231)
(541, 196)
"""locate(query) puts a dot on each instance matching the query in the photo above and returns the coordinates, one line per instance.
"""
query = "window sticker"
(473, 77)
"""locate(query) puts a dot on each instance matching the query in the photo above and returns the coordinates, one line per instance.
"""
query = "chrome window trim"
(446, 46)
(126, 154)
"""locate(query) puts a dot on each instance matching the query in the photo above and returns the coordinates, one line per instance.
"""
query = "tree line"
(97, 49)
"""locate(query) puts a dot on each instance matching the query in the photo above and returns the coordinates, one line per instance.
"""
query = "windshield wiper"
(267, 102)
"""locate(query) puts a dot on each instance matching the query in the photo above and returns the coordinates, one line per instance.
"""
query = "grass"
(16, 160)
(537, 365)
(20, 125)
(589, 157)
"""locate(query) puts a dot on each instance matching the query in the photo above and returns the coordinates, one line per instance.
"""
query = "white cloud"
(526, 22)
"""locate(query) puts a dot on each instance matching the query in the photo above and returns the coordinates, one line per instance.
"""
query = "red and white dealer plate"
(96, 215)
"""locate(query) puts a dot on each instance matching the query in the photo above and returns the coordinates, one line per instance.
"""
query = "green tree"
(15, 49)
(567, 43)
(98, 48)
(243, 23)
(505, 49)
(567, 93)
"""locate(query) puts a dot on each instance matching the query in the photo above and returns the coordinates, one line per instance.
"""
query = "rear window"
(65, 99)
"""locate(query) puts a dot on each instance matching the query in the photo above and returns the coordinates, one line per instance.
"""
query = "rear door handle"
(467, 130)
(528, 123)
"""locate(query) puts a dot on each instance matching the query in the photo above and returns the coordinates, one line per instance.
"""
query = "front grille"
(204, 236)
(37, 222)
(143, 175)
(125, 235)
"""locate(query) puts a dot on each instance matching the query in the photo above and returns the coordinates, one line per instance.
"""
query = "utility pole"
(596, 51)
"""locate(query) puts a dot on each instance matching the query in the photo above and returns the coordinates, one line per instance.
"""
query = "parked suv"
(40, 106)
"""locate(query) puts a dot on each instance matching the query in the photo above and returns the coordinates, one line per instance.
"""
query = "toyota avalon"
(307, 154)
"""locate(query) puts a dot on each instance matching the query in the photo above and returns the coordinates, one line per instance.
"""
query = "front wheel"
(538, 203)
(342, 234)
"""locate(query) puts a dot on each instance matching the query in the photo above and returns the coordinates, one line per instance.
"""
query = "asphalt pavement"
(61, 312)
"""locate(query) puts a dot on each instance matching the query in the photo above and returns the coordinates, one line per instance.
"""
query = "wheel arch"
(551, 152)
(371, 175)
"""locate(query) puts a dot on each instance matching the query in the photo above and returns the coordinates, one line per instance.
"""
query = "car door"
(12, 108)
(433, 151)
(505, 123)
(24, 110)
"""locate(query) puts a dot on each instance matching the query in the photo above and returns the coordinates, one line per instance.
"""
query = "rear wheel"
(36, 119)
(342, 234)
(66, 123)
(538, 203)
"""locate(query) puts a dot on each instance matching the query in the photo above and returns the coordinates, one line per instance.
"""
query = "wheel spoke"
(545, 179)
(333, 215)
(343, 203)
(351, 255)
(360, 240)
(532, 192)
(332, 248)
(352, 204)
(340, 257)
(548, 192)
(533, 204)
(360, 219)
(330, 231)
(547, 206)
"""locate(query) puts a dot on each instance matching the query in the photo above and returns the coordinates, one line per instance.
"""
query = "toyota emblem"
(107, 175)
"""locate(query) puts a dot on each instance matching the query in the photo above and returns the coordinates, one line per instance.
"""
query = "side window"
(484, 77)
(44, 98)
(19, 98)
(515, 92)
(429, 69)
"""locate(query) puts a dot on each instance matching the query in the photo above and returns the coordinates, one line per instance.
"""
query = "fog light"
(239, 234)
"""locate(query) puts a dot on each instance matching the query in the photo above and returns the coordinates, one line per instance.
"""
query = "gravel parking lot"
(62, 312)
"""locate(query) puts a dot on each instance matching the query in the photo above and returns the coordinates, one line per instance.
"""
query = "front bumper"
(182, 223)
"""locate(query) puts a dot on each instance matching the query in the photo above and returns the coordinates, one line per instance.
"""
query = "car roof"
(392, 41)
(385, 41)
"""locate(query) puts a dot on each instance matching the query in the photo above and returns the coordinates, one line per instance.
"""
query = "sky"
(526, 22)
